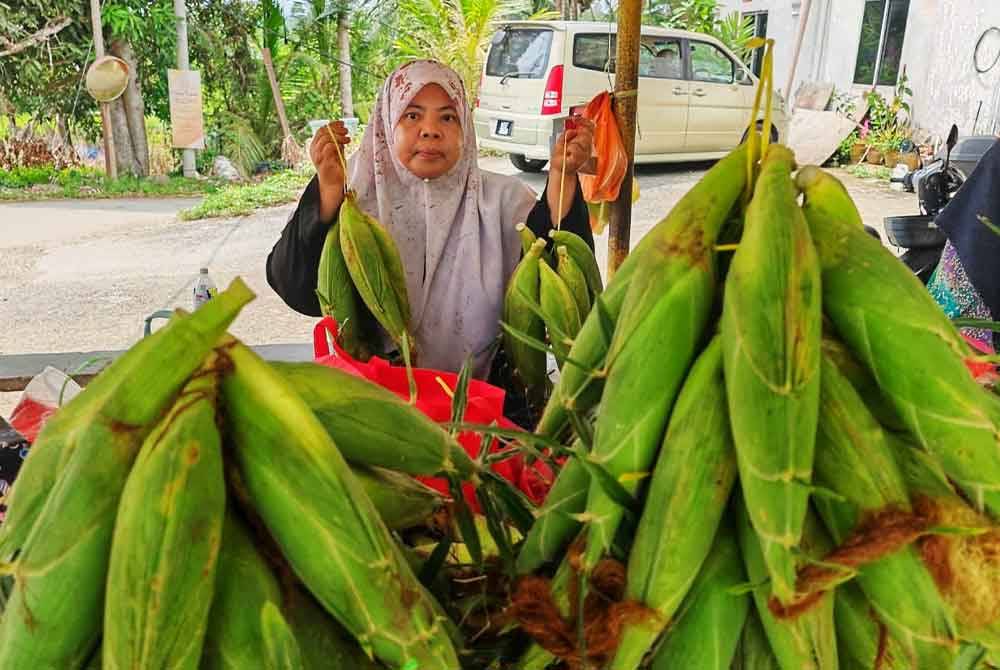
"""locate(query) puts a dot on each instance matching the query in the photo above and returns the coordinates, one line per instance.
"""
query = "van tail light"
(552, 98)
(479, 92)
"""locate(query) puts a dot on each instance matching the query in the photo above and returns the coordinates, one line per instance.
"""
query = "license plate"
(504, 128)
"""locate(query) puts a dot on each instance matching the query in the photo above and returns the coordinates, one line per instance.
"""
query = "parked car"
(695, 95)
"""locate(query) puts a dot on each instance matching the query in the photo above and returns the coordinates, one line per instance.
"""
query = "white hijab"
(456, 234)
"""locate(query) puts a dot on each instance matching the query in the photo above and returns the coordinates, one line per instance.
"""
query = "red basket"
(434, 398)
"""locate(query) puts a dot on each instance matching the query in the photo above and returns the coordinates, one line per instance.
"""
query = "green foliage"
(150, 28)
(865, 171)
(736, 31)
(41, 183)
(703, 16)
(240, 200)
(889, 123)
(23, 177)
(843, 154)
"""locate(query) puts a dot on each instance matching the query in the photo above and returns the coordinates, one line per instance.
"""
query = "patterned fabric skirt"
(951, 288)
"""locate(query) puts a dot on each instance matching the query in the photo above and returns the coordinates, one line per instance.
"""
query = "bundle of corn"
(547, 298)
(849, 480)
(119, 532)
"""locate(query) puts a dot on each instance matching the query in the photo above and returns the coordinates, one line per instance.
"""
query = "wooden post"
(803, 22)
(110, 162)
(279, 104)
(344, 53)
(625, 106)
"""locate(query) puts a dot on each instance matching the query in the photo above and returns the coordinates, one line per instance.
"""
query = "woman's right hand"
(329, 144)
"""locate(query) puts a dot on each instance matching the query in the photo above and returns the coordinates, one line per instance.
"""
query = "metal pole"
(180, 12)
(110, 162)
(803, 22)
(625, 106)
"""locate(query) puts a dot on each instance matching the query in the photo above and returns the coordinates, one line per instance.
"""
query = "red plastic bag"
(43, 395)
(605, 184)
(984, 372)
(434, 399)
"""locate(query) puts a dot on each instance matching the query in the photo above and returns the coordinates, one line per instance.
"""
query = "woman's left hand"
(573, 148)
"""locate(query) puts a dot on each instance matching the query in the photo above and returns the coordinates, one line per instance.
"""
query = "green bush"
(240, 200)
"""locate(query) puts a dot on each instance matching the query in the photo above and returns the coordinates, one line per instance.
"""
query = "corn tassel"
(559, 311)
(907, 342)
(806, 642)
(665, 312)
(570, 272)
(166, 542)
(376, 269)
(133, 391)
(771, 332)
(854, 460)
(580, 252)
(325, 524)
(522, 291)
(369, 423)
(710, 606)
(556, 521)
(691, 484)
(340, 299)
(54, 616)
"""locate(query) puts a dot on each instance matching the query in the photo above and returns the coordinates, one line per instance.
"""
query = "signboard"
(186, 119)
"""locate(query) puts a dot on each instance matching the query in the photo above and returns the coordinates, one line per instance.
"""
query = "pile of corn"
(197, 507)
(776, 436)
(549, 295)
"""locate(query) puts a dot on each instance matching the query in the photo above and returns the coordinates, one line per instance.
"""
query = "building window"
(880, 49)
(759, 30)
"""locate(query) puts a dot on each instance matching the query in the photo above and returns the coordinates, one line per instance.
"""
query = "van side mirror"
(498, 37)
(742, 76)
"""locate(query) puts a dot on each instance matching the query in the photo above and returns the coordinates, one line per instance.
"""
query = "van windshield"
(521, 52)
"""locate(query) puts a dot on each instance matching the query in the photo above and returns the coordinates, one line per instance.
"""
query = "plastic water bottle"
(204, 288)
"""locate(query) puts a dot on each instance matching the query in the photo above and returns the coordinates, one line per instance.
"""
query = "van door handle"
(699, 92)
(679, 91)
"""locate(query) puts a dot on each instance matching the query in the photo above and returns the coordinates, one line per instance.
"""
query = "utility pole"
(183, 63)
(110, 163)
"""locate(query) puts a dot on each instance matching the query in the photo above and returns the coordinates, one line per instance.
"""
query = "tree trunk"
(344, 50)
(560, 9)
(134, 108)
(124, 155)
(574, 10)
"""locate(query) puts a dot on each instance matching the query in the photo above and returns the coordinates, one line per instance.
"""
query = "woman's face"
(427, 138)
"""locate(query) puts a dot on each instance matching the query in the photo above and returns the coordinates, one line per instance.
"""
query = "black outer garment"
(294, 261)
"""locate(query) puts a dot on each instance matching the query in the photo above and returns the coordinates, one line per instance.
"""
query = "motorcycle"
(935, 186)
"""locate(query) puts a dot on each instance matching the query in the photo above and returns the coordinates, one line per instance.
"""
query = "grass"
(240, 200)
(46, 183)
(865, 171)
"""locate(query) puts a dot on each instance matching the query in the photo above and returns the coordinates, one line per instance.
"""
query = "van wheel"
(527, 164)
(760, 126)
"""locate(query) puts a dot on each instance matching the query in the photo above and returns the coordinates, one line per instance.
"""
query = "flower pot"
(892, 159)
(874, 156)
(857, 151)
(911, 159)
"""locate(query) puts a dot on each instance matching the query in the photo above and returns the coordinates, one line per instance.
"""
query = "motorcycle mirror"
(952, 141)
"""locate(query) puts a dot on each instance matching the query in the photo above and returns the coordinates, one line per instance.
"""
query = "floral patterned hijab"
(456, 233)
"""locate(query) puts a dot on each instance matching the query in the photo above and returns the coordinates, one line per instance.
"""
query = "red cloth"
(484, 406)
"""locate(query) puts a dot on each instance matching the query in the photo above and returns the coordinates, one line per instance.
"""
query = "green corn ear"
(859, 631)
(401, 501)
(325, 524)
(556, 523)
(340, 299)
(806, 642)
(279, 640)
(863, 383)
(854, 460)
(133, 391)
(527, 238)
(907, 343)
(245, 584)
(570, 271)
(691, 484)
(580, 252)
(369, 423)
(166, 541)
(559, 311)
(710, 606)
(754, 652)
(771, 334)
(522, 291)
(667, 308)
(374, 266)
(322, 641)
(54, 616)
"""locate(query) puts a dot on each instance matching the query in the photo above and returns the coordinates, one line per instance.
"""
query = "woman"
(454, 224)
(967, 283)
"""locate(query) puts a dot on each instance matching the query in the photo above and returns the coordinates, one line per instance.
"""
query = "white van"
(695, 96)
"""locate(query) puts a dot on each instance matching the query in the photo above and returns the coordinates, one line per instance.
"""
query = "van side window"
(710, 64)
(520, 52)
(660, 57)
(595, 51)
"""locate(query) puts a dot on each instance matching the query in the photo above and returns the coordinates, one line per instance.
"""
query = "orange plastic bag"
(609, 151)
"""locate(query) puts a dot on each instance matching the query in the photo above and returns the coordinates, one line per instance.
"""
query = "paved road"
(81, 275)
